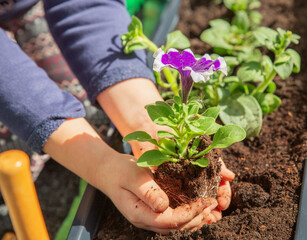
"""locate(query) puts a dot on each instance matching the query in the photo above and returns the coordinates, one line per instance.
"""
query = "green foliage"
(250, 72)
(228, 135)
(202, 162)
(268, 102)
(140, 136)
(152, 158)
(275, 41)
(248, 92)
(242, 110)
(176, 40)
(233, 39)
(135, 39)
(187, 124)
(242, 5)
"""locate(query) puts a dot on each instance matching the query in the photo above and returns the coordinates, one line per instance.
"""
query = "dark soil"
(185, 183)
(269, 168)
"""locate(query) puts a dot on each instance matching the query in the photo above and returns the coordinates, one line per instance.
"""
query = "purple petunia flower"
(190, 68)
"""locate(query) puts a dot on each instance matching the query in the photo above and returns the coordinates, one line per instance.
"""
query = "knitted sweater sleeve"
(31, 105)
(88, 34)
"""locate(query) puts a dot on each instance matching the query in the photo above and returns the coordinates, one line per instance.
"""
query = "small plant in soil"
(188, 160)
(248, 94)
(236, 38)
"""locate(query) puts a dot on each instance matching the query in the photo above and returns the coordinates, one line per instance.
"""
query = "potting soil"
(269, 168)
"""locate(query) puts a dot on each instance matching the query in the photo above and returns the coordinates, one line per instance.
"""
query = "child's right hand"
(143, 202)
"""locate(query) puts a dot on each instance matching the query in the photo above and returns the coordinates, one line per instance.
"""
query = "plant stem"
(265, 83)
(171, 80)
(151, 46)
(203, 152)
(168, 151)
(160, 81)
(216, 96)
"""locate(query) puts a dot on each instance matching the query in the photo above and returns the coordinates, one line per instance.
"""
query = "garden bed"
(269, 168)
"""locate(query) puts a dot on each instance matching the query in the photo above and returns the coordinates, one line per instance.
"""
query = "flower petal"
(207, 56)
(187, 58)
(201, 76)
(197, 77)
(223, 65)
(158, 65)
(172, 59)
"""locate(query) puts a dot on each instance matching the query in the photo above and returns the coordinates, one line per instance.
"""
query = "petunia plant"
(236, 38)
(249, 93)
(182, 114)
(135, 39)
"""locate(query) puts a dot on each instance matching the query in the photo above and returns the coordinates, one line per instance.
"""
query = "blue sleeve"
(31, 105)
(88, 34)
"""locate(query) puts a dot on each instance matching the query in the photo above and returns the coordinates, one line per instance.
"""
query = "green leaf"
(202, 162)
(167, 143)
(295, 38)
(296, 58)
(231, 79)
(220, 24)
(212, 112)
(255, 18)
(282, 58)
(135, 44)
(215, 36)
(268, 102)
(246, 53)
(236, 5)
(177, 100)
(255, 56)
(242, 110)
(254, 4)
(236, 87)
(162, 134)
(241, 20)
(195, 143)
(193, 109)
(139, 136)
(250, 72)
(201, 125)
(283, 65)
(227, 135)
(177, 40)
(161, 113)
(267, 64)
(231, 60)
(212, 129)
(271, 88)
(266, 37)
(152, 158)
(136, 25)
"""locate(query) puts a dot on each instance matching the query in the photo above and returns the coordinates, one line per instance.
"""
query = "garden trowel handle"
(18, 191)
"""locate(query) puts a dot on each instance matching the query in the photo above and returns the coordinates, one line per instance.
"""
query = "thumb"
(150, 193)
(226, 174)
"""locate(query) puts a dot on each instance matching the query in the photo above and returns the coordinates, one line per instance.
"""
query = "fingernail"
(158, 203)
(230, 172)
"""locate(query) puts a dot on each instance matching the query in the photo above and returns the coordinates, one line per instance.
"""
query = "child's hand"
(224, 191)
(143, 203)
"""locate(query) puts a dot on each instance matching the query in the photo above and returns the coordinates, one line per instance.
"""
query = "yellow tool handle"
(9, 236)
(20, 196)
